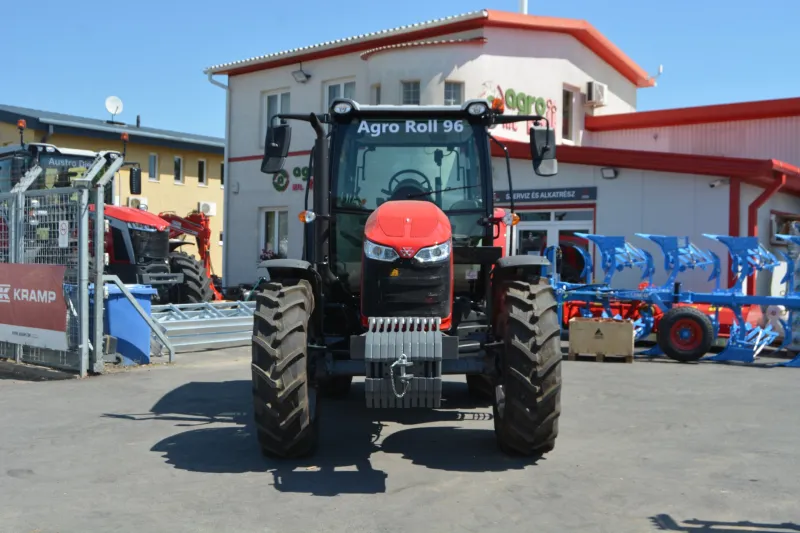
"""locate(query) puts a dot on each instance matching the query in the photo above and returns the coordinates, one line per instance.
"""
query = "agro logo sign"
(280, 180)
(522, 103)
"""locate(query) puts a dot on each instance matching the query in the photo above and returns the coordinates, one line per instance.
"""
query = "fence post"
(99, 285)
(16, 244)
(83, 279)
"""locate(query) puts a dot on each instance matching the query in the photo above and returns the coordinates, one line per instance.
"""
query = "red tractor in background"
(141, 247)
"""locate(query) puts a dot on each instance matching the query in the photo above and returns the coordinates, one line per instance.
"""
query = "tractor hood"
(133, 215)
(407, 226)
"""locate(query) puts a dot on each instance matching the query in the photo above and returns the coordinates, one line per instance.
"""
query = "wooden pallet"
(599, 357)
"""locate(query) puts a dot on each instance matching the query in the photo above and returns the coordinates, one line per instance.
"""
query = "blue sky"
(68, 56)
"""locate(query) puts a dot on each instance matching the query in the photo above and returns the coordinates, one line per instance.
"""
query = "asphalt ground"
(648, 446)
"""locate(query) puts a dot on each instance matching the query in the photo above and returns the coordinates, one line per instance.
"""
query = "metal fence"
(51, 227)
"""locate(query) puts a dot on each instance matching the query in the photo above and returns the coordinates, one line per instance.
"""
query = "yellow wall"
(163, 195)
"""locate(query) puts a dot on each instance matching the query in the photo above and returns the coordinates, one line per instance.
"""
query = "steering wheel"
(407, 186)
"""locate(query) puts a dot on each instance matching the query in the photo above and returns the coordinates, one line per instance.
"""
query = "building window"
(272, 103)
(343, 89)
(152, 167)
(274, 234)
(375, 97)
(453, 93)
(177, 173)
(568, 116)
(410, 93)
(201, 172)
(222, 174)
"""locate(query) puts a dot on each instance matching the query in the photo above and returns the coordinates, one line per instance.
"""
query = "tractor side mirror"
(543, 151)
(135, 181)
(276, 148)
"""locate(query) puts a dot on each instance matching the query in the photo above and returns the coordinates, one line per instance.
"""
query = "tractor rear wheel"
(284, 403)
(527, 401)
(196, 285)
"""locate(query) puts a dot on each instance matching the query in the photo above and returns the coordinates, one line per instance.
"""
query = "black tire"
(685, 334)
(527, 402)
(335, 387)
(196, 285)
(284, 403)
(480, 388)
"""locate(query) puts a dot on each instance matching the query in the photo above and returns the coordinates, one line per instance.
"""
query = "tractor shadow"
(458, 437)
(665, 522)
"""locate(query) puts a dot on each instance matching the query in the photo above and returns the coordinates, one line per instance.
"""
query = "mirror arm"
(510, 119)
(510, 187)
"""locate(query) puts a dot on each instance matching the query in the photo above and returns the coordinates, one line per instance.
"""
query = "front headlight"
(434, 254)
(378, 252)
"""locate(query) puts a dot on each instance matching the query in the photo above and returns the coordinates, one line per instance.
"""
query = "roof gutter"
(226, 191)
(752, 220)
(78, 125)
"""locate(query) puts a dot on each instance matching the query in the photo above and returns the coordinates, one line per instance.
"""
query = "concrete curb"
(24, 372)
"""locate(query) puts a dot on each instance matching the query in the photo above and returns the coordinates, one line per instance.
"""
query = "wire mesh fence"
(50, 227)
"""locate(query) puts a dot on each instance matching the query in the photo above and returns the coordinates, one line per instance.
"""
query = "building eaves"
(685, 116)
(11, 114)
(224, 68)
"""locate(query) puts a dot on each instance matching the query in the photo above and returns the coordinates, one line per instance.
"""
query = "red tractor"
(404, 277)
(142, 247)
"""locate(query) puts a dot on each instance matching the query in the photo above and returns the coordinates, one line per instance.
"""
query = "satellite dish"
(113, 106)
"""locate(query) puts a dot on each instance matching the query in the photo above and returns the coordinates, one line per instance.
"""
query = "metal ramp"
(204, 326)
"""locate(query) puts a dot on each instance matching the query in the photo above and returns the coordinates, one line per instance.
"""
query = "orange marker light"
(124, 137)
(306, 216)
(22, 124)
(498, 106)
(514, 219)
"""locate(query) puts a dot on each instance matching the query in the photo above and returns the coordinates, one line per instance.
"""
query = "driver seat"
(464, 204)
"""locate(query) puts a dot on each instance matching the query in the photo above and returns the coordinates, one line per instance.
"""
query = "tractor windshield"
(390, 159)
(59, 169)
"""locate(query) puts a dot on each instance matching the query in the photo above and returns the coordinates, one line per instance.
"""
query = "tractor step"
(403, 358)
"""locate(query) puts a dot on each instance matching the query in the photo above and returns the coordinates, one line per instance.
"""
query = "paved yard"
(651, 446)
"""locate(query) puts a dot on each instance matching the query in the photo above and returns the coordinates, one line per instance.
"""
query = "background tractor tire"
(480, 388)
(334, 387)
(196, 286)
(685, 334)
(284, 403)
(527, 401)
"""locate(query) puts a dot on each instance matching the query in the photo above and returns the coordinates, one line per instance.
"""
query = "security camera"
(717, 183)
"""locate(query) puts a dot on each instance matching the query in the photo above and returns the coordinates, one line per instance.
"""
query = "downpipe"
(226, 174)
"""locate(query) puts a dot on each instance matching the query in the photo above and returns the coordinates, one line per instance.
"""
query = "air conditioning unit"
(596, 94)
(209, 209)
(137, 202)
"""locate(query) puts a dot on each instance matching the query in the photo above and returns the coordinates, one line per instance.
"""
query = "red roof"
(763, 109)
(758, 172)
(581, 30)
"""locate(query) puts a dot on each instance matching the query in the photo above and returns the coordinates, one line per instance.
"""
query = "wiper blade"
(417, 195)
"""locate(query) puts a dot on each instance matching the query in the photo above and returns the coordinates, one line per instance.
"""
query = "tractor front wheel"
(284, 403)
(527, 401)
(196, 285)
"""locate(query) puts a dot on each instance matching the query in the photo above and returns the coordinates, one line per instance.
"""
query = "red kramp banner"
(32, 306)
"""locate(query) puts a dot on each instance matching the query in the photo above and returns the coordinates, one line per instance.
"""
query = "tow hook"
(402, 362)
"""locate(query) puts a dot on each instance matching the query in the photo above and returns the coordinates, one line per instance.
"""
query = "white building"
(659, 166)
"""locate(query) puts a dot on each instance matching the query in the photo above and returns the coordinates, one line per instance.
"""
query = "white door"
(532, 238)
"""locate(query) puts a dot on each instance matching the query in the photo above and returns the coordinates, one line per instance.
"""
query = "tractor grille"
(404, 288)
(150, 246)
